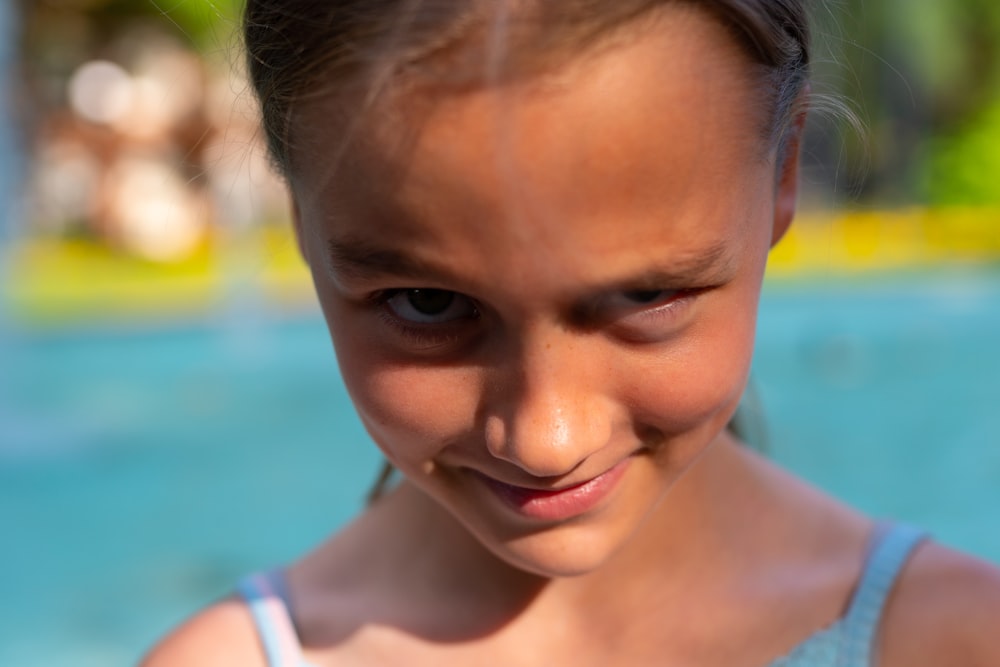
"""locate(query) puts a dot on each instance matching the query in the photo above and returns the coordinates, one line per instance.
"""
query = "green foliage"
(964, 168)
(925, 77)
(201, 22)
(204, 22)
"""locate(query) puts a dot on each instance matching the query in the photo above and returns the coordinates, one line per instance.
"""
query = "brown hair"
(296, 47)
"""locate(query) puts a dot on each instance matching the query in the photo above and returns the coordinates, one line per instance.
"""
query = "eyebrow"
(355, 259)
(705, 265)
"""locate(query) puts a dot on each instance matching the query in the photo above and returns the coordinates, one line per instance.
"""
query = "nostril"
(650, 436)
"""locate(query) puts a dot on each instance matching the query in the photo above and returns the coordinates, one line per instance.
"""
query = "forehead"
(678, 41)
(656, 133)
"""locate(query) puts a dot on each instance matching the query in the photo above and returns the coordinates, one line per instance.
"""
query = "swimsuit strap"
(267, 598)
(890, 549)
(891, 546)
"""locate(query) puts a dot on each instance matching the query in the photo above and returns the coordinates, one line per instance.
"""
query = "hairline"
(524, 72)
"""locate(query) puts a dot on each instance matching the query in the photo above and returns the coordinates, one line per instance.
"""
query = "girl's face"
(543, 294)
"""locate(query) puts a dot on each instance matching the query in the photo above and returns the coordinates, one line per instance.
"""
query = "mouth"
(556, 504)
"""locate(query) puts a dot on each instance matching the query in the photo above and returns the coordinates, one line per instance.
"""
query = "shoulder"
(222, 635)
(945, 610)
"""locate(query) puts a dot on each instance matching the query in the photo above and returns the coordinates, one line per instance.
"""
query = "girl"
(538, 232)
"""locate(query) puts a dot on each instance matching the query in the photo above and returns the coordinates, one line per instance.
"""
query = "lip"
(556, 504)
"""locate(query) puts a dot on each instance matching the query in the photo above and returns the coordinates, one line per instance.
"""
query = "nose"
(549, 409)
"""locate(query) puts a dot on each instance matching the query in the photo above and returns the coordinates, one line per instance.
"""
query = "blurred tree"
(59, 35)
(116, 90)
(924, 78)
(204, 23)
(963, 168)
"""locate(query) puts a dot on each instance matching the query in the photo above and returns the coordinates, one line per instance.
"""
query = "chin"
(576, 546)
(560, 552)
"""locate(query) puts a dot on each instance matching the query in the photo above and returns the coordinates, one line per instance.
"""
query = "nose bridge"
(548, 413)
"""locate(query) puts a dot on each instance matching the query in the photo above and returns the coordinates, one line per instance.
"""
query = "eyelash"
(661, 311)
(434, 335)
(421, 335)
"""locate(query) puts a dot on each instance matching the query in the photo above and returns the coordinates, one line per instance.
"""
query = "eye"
(646, 315)
(647, 296)
(429, 306)
(625, 302)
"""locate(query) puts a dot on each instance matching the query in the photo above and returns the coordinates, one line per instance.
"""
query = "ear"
(787, 179)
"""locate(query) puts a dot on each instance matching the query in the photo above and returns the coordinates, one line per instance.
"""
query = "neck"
(718, 550)
(680, 550)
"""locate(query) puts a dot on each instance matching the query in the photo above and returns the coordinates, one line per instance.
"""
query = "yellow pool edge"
(54, 281)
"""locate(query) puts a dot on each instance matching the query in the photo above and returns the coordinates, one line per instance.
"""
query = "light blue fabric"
(849, 642)
(256, 600)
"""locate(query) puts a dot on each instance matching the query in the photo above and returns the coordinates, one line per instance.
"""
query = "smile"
(556, 504)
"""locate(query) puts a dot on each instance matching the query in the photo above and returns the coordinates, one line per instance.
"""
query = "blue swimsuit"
(849, 642)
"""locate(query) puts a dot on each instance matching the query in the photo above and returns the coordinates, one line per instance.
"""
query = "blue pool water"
(142, 471)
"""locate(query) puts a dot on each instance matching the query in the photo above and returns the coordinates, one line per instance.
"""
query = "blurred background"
(171, 416)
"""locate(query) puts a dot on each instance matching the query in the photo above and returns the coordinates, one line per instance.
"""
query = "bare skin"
(353, 608)
(596, 242)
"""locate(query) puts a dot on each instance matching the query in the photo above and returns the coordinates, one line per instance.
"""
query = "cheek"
(699, 383)
(411, 411)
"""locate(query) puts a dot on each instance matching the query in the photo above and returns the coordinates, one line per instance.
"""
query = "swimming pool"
(143, 470)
